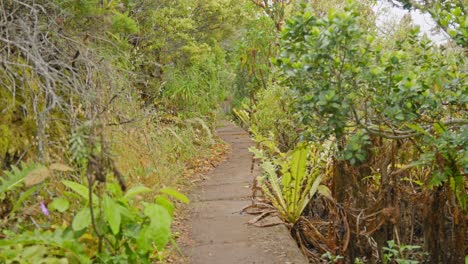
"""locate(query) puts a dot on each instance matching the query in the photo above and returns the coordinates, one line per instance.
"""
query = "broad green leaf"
(81, 190)
(297, 167)
(125, 212)
(175, 194)
(311, 192)
(82, 219)
(144, 240)
(272, 178)
(112, 214)
(59, 204)
(166, 203)
(136, 190)
(34, 253)
(114, 189)
(160, 224)
(439, 128)
(158, 215)
(161, 236)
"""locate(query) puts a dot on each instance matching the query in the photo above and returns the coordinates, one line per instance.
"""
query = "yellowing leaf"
(87, 237)
(36, 176)
(60, 167)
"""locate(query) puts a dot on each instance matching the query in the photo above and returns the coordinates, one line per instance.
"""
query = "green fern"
(300, 179)
(14, 178)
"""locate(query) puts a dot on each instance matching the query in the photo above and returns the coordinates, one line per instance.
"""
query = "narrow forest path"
(218, 229)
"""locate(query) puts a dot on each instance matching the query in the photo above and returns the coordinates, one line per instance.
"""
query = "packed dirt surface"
(219, 231)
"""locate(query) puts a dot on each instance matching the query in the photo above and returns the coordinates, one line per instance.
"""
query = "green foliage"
(158, 230)
(59, 246)
(291, 182)
(321, 55)
(175, 194)
(398, 253)
(184, 59)
(14, 179)
(80, 9)
(391, 111)
(124, 223)
(197, 88)
(343, 78)
(113, 216)
(274, 115)
(30, 247)
(254, 52)
(12, 187)
(332, 258)
(449, 15)
(81, 190)
(59, 204)
(137, 190)
(355, 149)
(5, 139)
(121, 23)
(82, 219)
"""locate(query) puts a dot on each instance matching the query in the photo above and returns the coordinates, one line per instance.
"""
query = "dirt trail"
(219, 231)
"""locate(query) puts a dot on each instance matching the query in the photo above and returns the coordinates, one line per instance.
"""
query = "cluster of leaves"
(449, 15)
(120, 229)
(180, 50)
(130, 231)
(254, 51)
(399, 253)
(348, 85)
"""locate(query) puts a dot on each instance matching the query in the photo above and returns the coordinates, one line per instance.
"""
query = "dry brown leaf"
(266, 220)
(60, 167)
(254, 220)
(257, 208)
(36, 176)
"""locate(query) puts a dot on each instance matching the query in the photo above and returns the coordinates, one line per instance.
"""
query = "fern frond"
(14, 178)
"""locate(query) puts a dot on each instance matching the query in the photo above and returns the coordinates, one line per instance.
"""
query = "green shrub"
(274, 116)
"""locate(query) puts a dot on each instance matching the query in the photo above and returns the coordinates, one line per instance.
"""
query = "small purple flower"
(44, 209)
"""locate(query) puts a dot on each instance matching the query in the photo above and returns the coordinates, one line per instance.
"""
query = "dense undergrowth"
(103, 106)
(361, 136)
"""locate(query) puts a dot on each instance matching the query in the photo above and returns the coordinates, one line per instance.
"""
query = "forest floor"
(218, 231)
